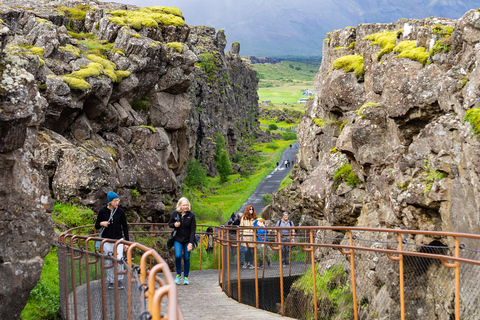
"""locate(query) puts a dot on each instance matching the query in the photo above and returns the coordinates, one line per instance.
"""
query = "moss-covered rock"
(350, 63)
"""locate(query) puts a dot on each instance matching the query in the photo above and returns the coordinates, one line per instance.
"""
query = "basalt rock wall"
(399, 124)
(101, 96)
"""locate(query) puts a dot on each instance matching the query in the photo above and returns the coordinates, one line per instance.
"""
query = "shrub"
(207, 62)
(222, 161)
(345, 174)
(196, 174)
(289, 136)
(272, 126)
(272, 145)
(71, 215)
(266, 199)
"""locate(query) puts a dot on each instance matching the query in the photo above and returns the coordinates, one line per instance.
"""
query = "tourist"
(263, 250)
(247, 220)
(183, 220)
(113, 224)
(287, 235)
(237, 223)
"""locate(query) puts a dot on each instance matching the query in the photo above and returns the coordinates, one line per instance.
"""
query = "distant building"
(302, 100)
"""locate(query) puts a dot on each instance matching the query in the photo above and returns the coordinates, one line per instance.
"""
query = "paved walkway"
(272, 181)
(203, 299)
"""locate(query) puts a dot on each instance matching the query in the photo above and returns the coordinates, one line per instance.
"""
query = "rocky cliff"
(101, 96)
(385, 144)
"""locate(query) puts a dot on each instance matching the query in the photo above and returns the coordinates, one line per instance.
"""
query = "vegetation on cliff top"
(386, 40)
(351, 63)
(149, 17)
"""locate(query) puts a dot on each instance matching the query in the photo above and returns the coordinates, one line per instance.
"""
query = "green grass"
(285, 182)
(284, 81)
(281, 124)
(288, 93)
(44, 300)
(217, 201)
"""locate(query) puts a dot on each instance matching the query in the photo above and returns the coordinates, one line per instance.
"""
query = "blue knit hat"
(112, 196)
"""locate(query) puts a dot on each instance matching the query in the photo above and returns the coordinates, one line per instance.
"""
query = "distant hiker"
(113, 222)
(208, 240)
(290, 146)
(287, 235)
(277, 163)
(286, 164)
(237, 223)
(293, 162)
(183, 220)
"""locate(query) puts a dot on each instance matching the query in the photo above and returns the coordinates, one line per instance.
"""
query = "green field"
(284, 82)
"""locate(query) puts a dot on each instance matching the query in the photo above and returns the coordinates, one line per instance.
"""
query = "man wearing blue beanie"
(113, 224)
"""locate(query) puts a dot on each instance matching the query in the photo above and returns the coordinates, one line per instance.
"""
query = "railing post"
(201, 240)
(314, 275)
(456, 265)
(354, 285)
(401, 275)
(239, 290)
(280, 263)
(256, 268)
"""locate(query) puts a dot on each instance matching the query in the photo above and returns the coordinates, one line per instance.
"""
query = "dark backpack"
(280, 221)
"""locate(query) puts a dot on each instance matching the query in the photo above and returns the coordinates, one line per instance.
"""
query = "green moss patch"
(78, 12)
(473, 116)
(69, 48)
(319, 122)
(419, 54)
(176, 45)
(359, 112)
(350, 63)
(350, 46)
(385, 40)
(345, 174)
(149, 17)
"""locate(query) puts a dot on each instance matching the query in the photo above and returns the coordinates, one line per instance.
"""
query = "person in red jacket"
(183, 220)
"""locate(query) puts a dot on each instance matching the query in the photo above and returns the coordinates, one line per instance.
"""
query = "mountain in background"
(297, 27)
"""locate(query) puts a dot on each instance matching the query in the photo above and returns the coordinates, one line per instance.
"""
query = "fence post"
(314, 275)
(455, 265)
(401, 275)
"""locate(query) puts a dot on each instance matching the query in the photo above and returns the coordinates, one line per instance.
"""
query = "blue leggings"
(178, 258)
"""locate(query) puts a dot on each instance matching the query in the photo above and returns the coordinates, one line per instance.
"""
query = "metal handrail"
(347, 249)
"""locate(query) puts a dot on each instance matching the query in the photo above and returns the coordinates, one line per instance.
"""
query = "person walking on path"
(264, 251)
(247, 220)
(113, 223)
(183, 220)
(237, 223)
(287, 235)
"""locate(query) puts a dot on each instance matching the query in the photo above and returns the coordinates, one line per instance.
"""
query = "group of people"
(112, 222)
(249, 218)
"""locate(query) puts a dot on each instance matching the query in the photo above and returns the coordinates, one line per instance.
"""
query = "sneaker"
(178, 278)
(250, 266)
(111, 286)
(120, 285)
(244, 266)
(185, 280)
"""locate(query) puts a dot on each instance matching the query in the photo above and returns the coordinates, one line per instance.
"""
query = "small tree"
(272, 126)
(222, 160)
(196, 174)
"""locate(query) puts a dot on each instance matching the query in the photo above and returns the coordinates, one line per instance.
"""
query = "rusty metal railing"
(354, 273)
(82, 266)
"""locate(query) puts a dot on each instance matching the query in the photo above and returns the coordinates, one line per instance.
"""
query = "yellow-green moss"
(359, 112)
(119, 51)
(107, 64)
(92, 70)
(351, 46)
(42, 87)
(176, 45)
(149, 17)
(76, 84)
(419, 54)
(350, 63)
(334, 150)
(79, 12)
(149, 127)
(386, 40)
(69, 48)
(473, 116)
(464, 82)
(342, 126)
(399, 32)
(121, 74)
(82, 35)
(405, 45)
(319, 122)
(41, 62)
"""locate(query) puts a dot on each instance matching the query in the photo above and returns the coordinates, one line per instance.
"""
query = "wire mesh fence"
(359, 273)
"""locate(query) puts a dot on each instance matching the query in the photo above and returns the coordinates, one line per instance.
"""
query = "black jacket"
(188, 225)
(114, 230)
